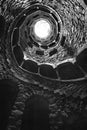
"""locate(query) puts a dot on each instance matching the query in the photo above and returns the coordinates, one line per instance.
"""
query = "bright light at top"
(42, 29)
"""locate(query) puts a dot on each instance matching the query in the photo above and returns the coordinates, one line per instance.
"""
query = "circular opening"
(42, 29)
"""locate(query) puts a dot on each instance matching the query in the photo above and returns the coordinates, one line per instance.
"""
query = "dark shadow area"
(82, 60)
(48, 71)
(36, 114)
(68, 71)
(2, 26)
(85, 1)
(8, 92)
